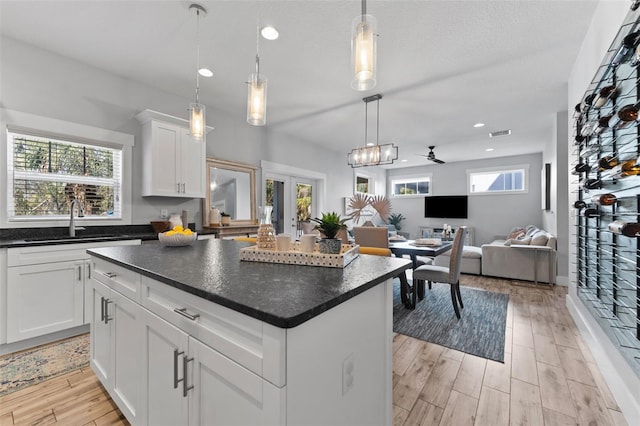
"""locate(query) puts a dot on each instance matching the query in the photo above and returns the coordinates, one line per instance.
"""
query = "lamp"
(373, 155)
(197, 110)
(257, 93)
(363, 50)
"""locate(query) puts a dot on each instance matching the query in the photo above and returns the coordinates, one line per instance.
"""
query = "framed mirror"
(232, 190)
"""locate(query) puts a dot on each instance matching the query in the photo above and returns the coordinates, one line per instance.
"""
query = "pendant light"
(197, 110)
(364, 50)
(257, 91)
(372, 155)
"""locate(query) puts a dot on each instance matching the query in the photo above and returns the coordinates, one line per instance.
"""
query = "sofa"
(471, 262)
(527, 254)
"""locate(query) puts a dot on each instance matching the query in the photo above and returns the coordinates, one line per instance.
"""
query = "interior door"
(293, 199)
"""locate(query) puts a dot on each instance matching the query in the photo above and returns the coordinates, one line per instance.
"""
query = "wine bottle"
(589, 212)
(607, 162)
(628, 229)
(635, 59)
(582, 167)
(587, 102)
(604, 199)
(579, 138)
(627, 48)
(606, 93)
(589, 150)
(602, 124)
(628, 168)
(629, 112)
(592, 184)
(580, 204)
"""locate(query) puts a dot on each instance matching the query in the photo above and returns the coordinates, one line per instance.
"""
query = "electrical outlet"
(164, 214)
(348, 376)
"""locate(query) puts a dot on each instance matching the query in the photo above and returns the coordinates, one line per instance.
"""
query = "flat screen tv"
(446, 206)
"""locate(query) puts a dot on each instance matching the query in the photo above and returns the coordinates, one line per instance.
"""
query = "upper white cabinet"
(173, 162)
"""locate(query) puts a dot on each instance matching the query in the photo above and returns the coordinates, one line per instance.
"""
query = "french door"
(294, 200)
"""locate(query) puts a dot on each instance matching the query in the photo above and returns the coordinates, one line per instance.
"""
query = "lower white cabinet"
(186, 382)
(44, 298)
(116, 333)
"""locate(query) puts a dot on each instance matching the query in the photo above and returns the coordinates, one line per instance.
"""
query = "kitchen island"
(193, 335)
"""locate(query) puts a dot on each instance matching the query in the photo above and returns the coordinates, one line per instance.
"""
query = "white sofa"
(528, 255)
(471, 260)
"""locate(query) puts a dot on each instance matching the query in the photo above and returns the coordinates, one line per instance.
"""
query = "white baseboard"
(562, 280)
(622, 380)
(21, 345)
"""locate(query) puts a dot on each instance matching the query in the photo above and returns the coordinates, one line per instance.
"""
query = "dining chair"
(371, 236)
(442, 274)
(402, 276)
(246, 239)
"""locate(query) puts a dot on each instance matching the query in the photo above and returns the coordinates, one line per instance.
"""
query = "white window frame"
(30, 124)
(501, 169)
(405, 179)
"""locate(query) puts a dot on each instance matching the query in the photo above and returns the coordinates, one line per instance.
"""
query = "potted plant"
(225, 218)
(330, 225)
(395, 219)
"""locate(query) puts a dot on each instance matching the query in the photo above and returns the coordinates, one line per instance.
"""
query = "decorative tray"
(296, 257)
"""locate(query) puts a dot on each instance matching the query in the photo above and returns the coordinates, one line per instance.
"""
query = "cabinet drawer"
(58, 253)
(255, 345)
(116, 277)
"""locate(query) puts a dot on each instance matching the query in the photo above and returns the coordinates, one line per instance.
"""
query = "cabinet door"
(100, 344)
(44, 298)
(123, 316)
(164, 147)
(165, 347)
(192, 166)
(225, 393)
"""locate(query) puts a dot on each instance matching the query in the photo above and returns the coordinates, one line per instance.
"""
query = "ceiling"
(442, 65)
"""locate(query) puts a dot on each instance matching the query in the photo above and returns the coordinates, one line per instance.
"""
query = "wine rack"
(607, 263)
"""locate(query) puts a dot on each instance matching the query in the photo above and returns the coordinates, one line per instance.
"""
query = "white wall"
(489, 215)
(39, 82)
(624, 383)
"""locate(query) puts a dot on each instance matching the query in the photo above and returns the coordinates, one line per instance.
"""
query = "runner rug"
(480, 330)
(32, 366)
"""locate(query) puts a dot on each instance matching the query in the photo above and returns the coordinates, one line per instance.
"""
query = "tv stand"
(435, 232)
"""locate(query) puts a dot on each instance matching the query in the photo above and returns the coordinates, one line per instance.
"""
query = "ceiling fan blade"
(435, 160)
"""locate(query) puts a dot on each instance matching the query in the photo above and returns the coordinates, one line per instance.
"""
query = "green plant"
(223, 214)
(395, 219)
(330, 224)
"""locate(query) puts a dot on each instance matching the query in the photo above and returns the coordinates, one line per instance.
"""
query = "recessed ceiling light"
(489, 149)
(269, 32)
(478, 125)
(404, 161)
(205, 72)
(370, 144)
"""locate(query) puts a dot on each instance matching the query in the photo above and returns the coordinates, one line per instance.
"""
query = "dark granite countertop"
(25, 237)
(281, 295)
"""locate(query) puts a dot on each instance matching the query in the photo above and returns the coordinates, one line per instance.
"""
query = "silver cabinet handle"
(107, 318)
(79, 272)
(184, 187)
(184, 313)
(178, 186)
(89, 270)
(110, 274)
(101, 309)
(185, 366)
(176, 354)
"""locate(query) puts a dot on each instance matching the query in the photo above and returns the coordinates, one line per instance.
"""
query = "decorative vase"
(266, 234)
(330, 245)
(226, 220)
(214, 216)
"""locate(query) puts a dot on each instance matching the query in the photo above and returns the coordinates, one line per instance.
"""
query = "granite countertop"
(282, 295)
(26, 237)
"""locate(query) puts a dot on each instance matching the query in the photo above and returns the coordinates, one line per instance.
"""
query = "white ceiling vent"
(500, 133)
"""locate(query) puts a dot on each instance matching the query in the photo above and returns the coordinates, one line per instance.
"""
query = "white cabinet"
(116, 332)
(44, 298)
(45, 289)
(173, 162)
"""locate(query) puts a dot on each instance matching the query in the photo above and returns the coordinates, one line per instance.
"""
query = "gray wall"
(39, 82)
(489, 215)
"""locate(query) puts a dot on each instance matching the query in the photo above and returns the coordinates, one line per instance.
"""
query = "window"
(411, 187)
(498, 180)
(364, 184)
(46, 174)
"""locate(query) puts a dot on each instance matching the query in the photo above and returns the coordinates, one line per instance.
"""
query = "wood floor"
(548, 378)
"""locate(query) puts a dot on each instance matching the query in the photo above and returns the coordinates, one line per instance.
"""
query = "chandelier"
(372, 155)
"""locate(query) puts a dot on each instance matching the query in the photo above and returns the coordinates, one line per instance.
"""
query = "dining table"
(410, 294)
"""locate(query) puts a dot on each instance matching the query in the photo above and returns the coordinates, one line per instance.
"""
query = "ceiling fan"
(431, 156)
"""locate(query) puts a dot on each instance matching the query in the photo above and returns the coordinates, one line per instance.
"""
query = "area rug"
(480, 330)
(32, 366)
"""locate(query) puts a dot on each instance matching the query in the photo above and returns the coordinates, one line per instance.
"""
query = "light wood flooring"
(549, 377)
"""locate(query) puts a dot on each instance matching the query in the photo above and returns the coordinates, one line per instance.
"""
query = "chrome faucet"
(72, 225)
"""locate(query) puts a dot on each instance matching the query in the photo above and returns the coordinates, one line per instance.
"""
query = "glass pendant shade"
(363, 52)
(257, 100)
(197, 122)
(372, 155)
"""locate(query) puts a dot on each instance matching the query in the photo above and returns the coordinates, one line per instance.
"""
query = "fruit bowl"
(177, 240)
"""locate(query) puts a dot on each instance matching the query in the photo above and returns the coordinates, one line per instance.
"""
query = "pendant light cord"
(258, 48)
(366, 115)
(378, 123)
(364, 9)
(197, 53)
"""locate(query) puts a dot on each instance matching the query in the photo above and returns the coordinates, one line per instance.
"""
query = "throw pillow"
(531, 230)
(515, 233)
(521, 241)
(539, 239)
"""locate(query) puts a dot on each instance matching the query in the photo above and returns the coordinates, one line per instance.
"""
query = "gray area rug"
(480, 330)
